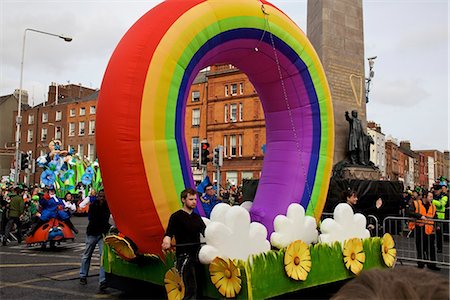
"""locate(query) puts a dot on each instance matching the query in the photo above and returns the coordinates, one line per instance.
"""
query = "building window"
(82, 111)
(44, 117)
(232, 178)
(234, 89)
(92, 109)
(241, 88)
(30, 135)
(92, 127)
(72, 112)
(91, 152)
(226, 90)
(42, 152)
(71, 129)
(195, 147)
(30, 119)
(240, 145)
(247, 175)
(232, 145)
(43, 134)
(58, 116)
(196, 117)
(81, 128)
(58, 133)
(225, 146)
(233, 112)
(226, 113)
(80, 150)
(241, 112)
(195, 96)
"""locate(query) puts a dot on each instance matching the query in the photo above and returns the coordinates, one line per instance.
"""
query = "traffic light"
(24, 161)
(218, 156)
(204, 152)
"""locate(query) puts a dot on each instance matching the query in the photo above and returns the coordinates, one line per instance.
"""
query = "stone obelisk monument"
(335, 28)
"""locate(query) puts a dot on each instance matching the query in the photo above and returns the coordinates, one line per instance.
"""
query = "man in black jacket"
(186, 226)
(98, 226)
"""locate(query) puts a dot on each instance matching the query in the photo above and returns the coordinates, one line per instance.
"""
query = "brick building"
(438, 161)
(407, 163)
(392, 171)
(224, 109)
(51, 120)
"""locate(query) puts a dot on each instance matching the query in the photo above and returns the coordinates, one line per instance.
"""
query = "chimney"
(405, 145)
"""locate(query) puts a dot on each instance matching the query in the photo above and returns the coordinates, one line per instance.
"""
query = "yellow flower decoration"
(388, 251)
(225, 276)
(354, 256)
(297, 260)
(174, 285)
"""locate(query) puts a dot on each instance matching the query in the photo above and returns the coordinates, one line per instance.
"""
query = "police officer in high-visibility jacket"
(424, 211)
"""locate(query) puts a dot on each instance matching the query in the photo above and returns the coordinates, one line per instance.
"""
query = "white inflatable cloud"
(230, 234)
(294, 226)
(344, 225)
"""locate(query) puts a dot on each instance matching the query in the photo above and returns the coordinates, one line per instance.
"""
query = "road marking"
(44, 278)
(37, 265)
(95, 255)
(57, 290)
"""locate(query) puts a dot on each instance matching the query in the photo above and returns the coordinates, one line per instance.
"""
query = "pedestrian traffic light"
(24, 161)
(204, 152)
(218, 156)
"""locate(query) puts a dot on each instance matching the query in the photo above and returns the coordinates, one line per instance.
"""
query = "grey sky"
(409, 94)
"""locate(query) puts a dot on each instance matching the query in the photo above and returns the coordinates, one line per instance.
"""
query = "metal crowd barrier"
(415, 245)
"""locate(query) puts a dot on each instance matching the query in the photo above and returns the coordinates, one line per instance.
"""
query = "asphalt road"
(36, 273)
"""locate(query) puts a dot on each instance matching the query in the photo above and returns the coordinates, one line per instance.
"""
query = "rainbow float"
(141, 111)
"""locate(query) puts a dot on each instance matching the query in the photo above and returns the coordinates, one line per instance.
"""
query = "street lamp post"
(19, 108)
(371, 74)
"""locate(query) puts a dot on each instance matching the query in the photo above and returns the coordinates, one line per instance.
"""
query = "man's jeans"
(91, 241)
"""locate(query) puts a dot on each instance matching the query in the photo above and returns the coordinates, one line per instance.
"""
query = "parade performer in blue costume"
(209, 199)
(52, 208)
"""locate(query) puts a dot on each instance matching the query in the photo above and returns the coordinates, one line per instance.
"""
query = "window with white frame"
(44, 117)
(30, 119)
(195, 96)
(80, 150)
(241, 111)
(58, 132)
(232, 145)
(195, 147)
(232, 177)
(30, 135)
(81, 128)
(92, 127)
(82, 111)
(226, 90)
(247, 175)
(241, 88)
(72, 112)
(42, 152)
(92, 109)
(196, 117)
(91, 152)
(234, 89)
(225, 146)
(226, 113)
(58, 116)
(233, 112)
(240, 144)
(71, 129)
(43, 134)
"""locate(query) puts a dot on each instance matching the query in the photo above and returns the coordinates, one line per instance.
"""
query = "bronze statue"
(356, 138)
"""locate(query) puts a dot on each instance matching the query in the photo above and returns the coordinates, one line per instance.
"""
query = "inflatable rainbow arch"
(141, 110)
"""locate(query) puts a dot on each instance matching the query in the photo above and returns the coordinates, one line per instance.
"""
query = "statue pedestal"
(360, 172)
